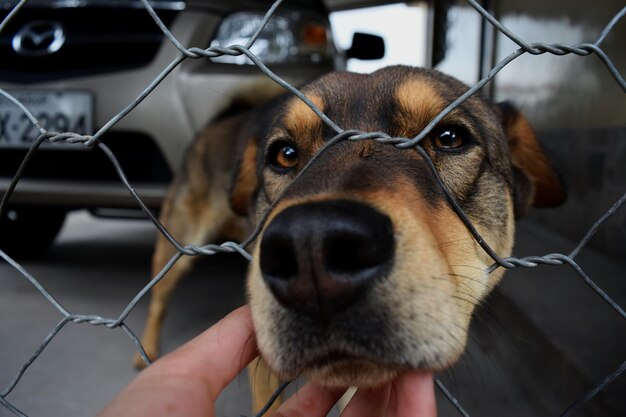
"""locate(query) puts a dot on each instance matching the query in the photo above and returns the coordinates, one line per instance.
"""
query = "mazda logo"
(39, 38)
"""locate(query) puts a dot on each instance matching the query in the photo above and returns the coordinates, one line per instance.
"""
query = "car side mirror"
(366, 47)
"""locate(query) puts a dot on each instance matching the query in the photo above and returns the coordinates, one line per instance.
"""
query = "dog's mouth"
(332, 357)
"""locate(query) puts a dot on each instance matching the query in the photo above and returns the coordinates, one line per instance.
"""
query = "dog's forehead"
(395, 100)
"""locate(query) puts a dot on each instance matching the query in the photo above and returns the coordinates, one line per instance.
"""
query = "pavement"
(540, 342)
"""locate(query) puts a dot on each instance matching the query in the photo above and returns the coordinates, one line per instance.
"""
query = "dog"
(362, 268)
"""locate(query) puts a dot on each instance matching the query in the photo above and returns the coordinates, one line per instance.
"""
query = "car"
(75, 65)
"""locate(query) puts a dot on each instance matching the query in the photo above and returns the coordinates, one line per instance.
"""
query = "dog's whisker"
(483, 270)
(435, 289)
(469, 300)
(469, 241)
(467, 297)
(474, 280)
(469, 294)
(453, 342)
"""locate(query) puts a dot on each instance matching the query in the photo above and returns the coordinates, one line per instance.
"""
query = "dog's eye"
(282, 155)
(449, 139)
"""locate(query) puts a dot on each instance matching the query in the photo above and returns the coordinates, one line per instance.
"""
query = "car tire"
(28, 232)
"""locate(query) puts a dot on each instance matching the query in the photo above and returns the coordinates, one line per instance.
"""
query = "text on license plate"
(58, 111)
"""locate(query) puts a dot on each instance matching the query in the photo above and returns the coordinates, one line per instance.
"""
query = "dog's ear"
(245, 181)
(536, 182)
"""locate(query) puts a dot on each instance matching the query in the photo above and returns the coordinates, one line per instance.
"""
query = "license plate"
(58, 111)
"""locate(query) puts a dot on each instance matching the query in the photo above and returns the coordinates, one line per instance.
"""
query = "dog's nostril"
(351, 253)
(278, 258)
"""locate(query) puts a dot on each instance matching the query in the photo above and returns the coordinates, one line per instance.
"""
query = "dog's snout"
(318, 257)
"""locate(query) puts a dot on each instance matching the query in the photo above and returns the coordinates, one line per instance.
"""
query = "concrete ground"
(539, 344)
(97, 267)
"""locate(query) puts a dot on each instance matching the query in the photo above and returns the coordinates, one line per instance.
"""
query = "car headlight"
(287, 38)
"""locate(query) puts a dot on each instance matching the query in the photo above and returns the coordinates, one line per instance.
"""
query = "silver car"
(76, 64)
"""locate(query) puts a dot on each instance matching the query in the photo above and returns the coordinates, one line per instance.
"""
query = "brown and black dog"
(362, 268)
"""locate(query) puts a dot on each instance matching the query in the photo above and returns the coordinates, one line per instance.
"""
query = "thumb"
(187, 381)
(217, 355)
(413, 394)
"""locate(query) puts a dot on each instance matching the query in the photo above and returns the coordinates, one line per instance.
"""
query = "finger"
(162, 397)
(368, 402)
(187, 381)
(311, 401)
(413, 394)
(216, 356)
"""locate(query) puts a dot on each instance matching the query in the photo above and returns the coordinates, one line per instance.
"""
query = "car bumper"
(71, 194)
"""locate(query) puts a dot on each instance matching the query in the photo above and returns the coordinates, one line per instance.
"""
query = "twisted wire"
(583, 49)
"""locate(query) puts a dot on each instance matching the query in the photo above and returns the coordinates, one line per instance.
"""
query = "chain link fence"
(583, 49)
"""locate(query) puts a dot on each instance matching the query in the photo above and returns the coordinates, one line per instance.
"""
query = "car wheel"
(27, 232)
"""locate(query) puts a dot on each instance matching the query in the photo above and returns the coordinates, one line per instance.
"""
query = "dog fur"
(326, 315)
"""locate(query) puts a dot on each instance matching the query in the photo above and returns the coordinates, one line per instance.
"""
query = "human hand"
(188, 381)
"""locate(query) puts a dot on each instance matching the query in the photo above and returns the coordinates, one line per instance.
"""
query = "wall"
(577, 108)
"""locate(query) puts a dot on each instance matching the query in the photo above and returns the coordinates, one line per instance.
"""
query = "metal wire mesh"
(582, 49)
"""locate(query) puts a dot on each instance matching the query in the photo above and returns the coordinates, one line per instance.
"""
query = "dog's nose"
(318, 257)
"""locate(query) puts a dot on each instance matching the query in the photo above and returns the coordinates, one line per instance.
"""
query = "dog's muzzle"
(317, 258)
